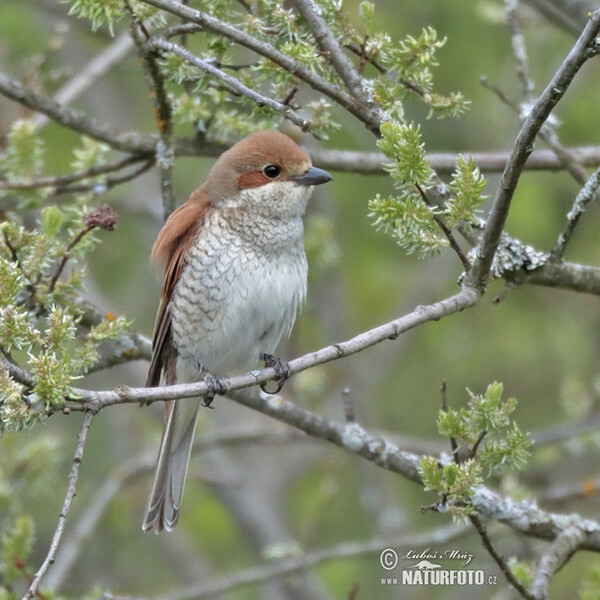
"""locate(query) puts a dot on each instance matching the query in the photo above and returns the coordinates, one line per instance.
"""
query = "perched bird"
(234, 277)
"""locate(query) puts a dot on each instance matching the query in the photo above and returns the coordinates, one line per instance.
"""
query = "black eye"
(272, 171)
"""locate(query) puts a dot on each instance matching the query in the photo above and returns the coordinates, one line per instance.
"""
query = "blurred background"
(258, 490)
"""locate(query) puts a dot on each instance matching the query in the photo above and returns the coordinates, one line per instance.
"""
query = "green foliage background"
(541, 343)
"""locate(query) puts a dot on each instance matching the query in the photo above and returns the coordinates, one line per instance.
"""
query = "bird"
(235, 275)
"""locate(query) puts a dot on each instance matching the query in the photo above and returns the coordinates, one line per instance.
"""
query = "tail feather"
(164, 502)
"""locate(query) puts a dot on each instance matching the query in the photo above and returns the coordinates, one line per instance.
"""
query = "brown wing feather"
(170, 249)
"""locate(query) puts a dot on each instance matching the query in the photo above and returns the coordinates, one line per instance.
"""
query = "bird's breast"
(238, 293)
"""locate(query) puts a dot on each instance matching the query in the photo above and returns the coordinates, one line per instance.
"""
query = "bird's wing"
(170, 249)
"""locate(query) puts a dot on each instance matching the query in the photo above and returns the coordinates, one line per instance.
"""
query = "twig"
(162, 111)
(90, 73)
(325, 38)
(453, 444)
(104, 218)
(487, 544)
(584, 197)
(109, 182)
(235, 84)
(76, 120)
(453, 243)
(71, 491)
(560, 82)
(567, 158)
(557, 15)
(555, 556)
(519, 49)
(61, 181)
(290, 565)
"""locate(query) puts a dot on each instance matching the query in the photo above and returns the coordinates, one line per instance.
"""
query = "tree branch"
(71, 491)
(286, 566)
(585, 196)
(579, 54)
(76, 120)
(466, 298)
(554, 557)
(208, 67)
(325, 38)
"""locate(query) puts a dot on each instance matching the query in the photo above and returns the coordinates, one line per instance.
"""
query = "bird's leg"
(216, 386)
(282, 371)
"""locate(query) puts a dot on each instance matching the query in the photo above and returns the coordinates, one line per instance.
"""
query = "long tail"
(162, 511)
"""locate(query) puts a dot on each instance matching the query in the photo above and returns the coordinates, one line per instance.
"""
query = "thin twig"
(162, 111)
(519, 49)
(585, 196)
(453, 444)
(71, 491)
(498, 558)
(232, 82)
(109, 182)
(567, 158)
(285, 566)
(89, 74)
(61, 181)
(453, 243)
(560, 82)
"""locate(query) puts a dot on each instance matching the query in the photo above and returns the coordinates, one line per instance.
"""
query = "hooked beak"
(313, 176)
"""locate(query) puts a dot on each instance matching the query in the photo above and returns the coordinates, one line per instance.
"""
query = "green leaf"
(51, 220)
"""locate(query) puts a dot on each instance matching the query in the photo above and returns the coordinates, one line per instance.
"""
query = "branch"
(585, 196)
(62, 181)
(554, 557)
(286, 566)
(566, 157)
(71, 491)
(325, 38)
(90, 73)
(579, 54)
(76, 120)
(232, 82)
(498, 558)
(96, 400)
(162, 112)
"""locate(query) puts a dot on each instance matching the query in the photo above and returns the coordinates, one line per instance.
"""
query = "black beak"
(313, 176)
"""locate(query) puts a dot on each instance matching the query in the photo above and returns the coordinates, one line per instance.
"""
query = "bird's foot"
(282, 371)
(215, 387)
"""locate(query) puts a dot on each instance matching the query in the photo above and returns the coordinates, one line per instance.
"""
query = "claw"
(282, 370)
(216, 387)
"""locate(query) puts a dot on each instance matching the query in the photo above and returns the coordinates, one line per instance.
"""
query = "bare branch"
(90, 73)
(468, 297)
(555, 557)
(232, 82)
(61, 181)
(71, 491)
(75, 119)
(585, 196)
(579, 54)
(162, 112)
(291, 565)
(498, 558)
(565, 156)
